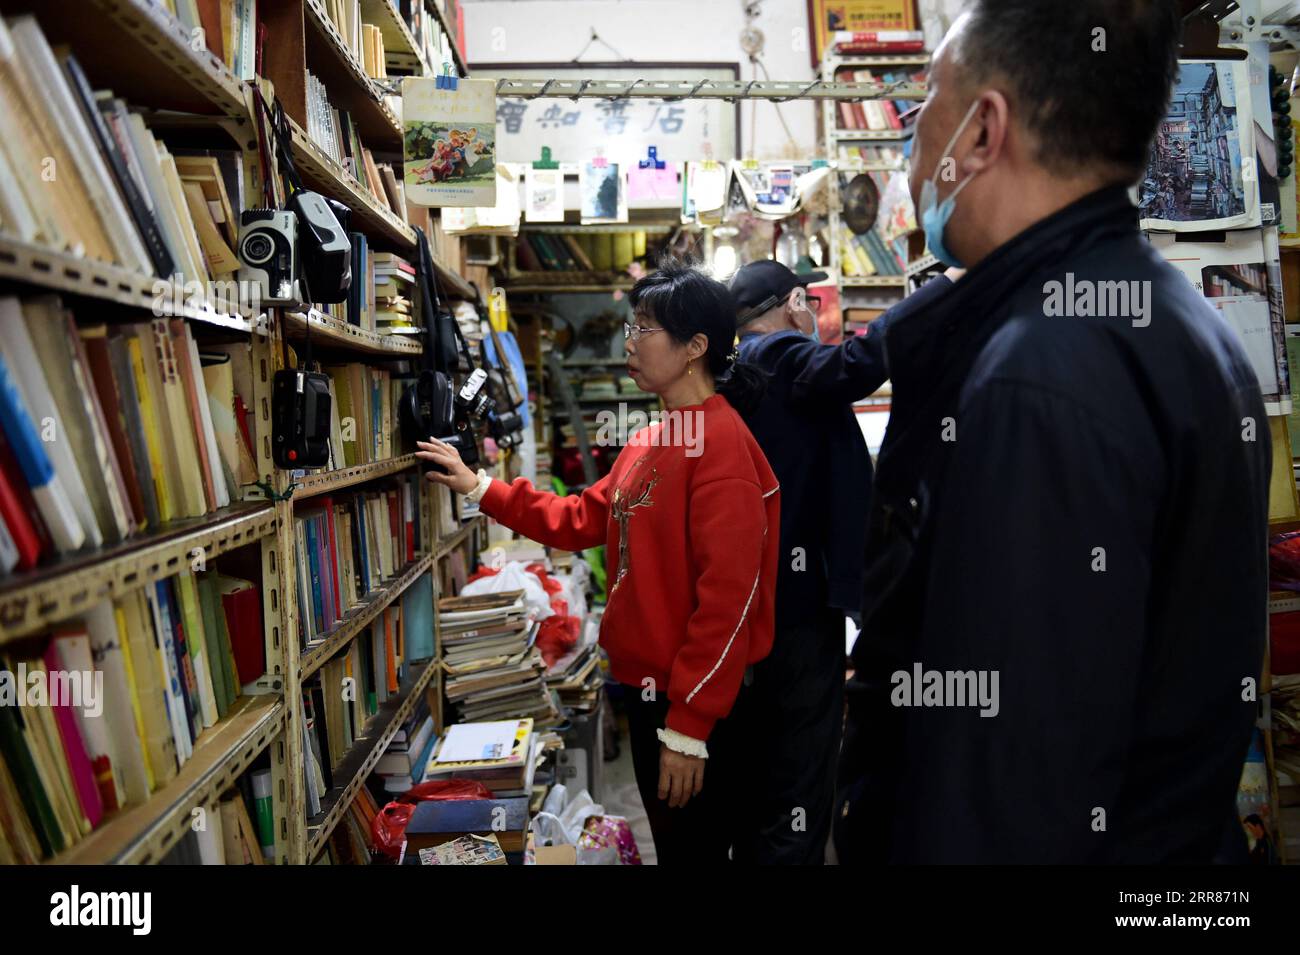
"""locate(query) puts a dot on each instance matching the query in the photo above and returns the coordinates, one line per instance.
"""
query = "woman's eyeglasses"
(634, 332)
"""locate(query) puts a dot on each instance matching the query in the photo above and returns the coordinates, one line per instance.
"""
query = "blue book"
(313, 570)
(171, 624)
(417, 619)
(48, 491)
(434, 820)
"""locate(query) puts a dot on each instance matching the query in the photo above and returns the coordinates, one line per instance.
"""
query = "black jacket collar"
(974, 307)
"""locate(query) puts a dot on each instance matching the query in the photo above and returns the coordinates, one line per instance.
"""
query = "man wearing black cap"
(808, 431)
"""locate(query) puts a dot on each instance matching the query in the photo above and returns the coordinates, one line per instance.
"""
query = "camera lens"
(258, 248)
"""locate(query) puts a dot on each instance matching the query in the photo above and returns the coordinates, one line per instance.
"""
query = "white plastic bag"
(512, 576)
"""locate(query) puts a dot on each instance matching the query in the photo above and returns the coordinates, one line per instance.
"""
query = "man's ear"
(992, 120)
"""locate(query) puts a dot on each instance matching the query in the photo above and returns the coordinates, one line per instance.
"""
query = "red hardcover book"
(335, 568)
(243, 607)
(19, 511)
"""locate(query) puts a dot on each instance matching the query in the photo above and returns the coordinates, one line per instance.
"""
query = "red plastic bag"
(389, 825)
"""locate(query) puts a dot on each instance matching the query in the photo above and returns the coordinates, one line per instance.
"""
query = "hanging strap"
(279, 123)
(431, 310)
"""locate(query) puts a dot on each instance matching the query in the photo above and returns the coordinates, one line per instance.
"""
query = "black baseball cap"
(758, 286)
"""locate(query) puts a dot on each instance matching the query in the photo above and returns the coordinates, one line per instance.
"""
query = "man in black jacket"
(793, 711)
(1064, 611)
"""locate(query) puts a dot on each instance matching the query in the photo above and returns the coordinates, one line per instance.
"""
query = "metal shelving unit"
(142, 52)
(884, 287)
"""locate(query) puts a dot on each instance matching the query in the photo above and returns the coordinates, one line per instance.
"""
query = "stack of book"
(851, 42)
(499, 754)
(493, 669)
(348, 546)
(403, 762)
(576, 679)
(85, 175)
(393, 283)
(107, 708)
(444, 823)
(108, 430)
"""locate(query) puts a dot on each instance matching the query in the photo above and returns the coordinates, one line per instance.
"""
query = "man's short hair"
(1089, 79)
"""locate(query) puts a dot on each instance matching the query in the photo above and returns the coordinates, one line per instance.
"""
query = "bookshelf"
(880, 289)
(147, 57)
(144, 833)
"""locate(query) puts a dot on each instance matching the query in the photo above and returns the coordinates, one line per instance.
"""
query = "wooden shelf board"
(43, 596)
(144, 833)
(325, 482)
(63, 272)
(365, 752)
(360, 616)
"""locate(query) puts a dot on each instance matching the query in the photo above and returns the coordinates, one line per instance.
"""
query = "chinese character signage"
(449, 143)
(623, 129)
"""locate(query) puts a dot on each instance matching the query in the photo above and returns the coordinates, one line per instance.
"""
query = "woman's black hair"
(687, 302)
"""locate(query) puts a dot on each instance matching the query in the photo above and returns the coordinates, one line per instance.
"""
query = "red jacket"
(692, 579)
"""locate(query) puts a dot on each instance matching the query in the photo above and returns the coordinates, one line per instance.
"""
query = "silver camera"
(268, 253)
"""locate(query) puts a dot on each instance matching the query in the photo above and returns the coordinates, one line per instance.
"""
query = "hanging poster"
(544, 195)
(1240, 275)
(603, 197)
(449, 142)
(1201, 175)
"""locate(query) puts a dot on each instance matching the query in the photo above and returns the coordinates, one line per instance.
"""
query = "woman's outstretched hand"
(458, 477)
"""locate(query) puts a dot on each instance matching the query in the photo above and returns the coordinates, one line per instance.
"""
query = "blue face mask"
(935, 214)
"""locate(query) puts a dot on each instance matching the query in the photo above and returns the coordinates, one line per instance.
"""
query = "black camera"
(324, 250)
(300, 429)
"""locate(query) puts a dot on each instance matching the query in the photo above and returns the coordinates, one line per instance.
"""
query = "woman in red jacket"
(689, 514)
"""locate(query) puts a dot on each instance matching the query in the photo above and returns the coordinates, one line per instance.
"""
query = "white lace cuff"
(681, 743)
(484, 482)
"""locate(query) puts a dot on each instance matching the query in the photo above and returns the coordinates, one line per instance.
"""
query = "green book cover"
(196, 641)
(23, 770)
(210, 608)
